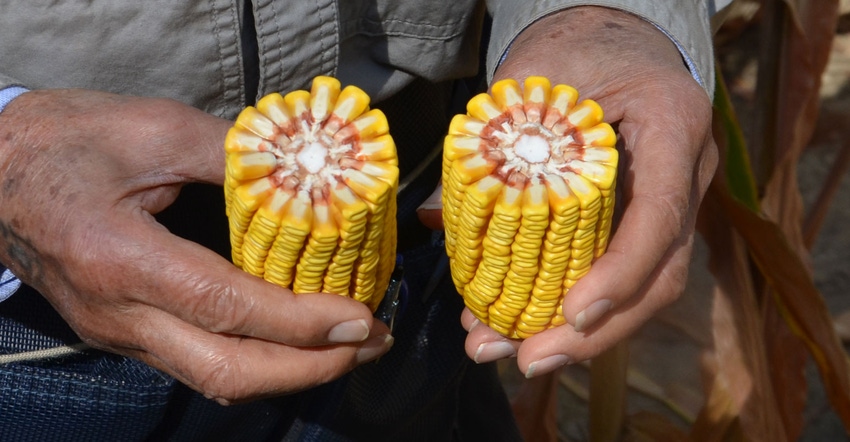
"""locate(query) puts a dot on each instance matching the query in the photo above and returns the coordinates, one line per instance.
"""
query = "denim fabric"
(97, 396)
(424, 389)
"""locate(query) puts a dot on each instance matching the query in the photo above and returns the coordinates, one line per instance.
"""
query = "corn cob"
(310, 188)
(529, 177)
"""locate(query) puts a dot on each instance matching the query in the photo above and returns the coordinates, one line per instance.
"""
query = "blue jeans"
(425, 389)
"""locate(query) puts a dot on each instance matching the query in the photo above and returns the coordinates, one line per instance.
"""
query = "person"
(111, 215)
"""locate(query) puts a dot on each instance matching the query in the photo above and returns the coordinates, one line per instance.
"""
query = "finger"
(430, 212)
(548, 350)
(657, 199)
(229, 368)
(483, 344)
(199, 287)
(200, 135)
(208, 158)
(468, 320)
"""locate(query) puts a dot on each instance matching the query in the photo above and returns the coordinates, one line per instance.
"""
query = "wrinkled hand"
(81, 174)
(667, 160)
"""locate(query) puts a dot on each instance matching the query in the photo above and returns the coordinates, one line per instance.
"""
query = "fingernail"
(492, 351)
(591, 314)
(546, 365)
(435, 201)
(374, 348)
(475, 323)
(350, 331)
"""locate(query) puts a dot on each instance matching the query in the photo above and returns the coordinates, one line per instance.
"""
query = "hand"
(667, 160)
(81, 174)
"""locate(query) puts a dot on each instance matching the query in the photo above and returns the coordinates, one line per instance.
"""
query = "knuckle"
(674, 276)
(221, 380)
(668, 209)
(675, 284)
(671, 209)
(220, 308)
(92, 336)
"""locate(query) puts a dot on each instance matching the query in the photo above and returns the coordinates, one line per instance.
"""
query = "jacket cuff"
(10, 93)
(9, 283)
(686, 24)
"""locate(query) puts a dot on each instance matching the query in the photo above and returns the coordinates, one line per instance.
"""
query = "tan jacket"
(191, 50)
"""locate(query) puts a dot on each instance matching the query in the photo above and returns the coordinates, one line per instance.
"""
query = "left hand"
(81, 175)
(667, 160)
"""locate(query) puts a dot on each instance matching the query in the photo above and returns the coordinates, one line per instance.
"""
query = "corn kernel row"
(310, 185)
(529, 178)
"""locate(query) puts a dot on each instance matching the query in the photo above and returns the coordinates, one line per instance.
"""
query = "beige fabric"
(686, 22)
(191, 50)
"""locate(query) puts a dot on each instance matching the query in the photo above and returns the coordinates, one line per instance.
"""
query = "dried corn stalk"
(310, 189)
(528, 195)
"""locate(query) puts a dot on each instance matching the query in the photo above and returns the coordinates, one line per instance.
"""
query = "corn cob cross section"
(529, 178)
(310, 188)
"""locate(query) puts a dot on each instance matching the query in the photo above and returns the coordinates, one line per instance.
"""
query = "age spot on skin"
(20, 251)
(9, 186)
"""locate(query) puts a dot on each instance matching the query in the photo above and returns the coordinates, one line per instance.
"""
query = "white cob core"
(532, 148)
(313, 156)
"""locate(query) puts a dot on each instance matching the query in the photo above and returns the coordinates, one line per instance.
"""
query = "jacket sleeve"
(686, 23)
(6, 81)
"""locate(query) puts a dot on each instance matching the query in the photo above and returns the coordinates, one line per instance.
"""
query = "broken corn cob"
(310, 189)
(528, 196)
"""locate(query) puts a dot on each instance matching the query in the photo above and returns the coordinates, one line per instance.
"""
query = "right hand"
(81, 174)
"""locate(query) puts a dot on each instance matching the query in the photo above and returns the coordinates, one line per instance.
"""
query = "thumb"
(430, 212)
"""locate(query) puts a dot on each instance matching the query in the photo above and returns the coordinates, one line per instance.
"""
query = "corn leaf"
(801, 304)
(740, 397)
(776, 239)
(736, 159)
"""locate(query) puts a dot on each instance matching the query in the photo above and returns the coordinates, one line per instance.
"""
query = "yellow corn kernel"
(274, 107)
(350, 103)
(585, 114)
(310, 185)
(251, 165)
(529, 179)
(536, 98)
(323, 97)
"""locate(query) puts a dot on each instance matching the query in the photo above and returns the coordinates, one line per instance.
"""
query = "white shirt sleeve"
(9, 283)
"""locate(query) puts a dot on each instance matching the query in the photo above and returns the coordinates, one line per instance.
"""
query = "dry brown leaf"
(787, 351)
(806, 51)
(832, 183)
(799, 300)
(740, 396)
(805, 33)
(645, 426)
